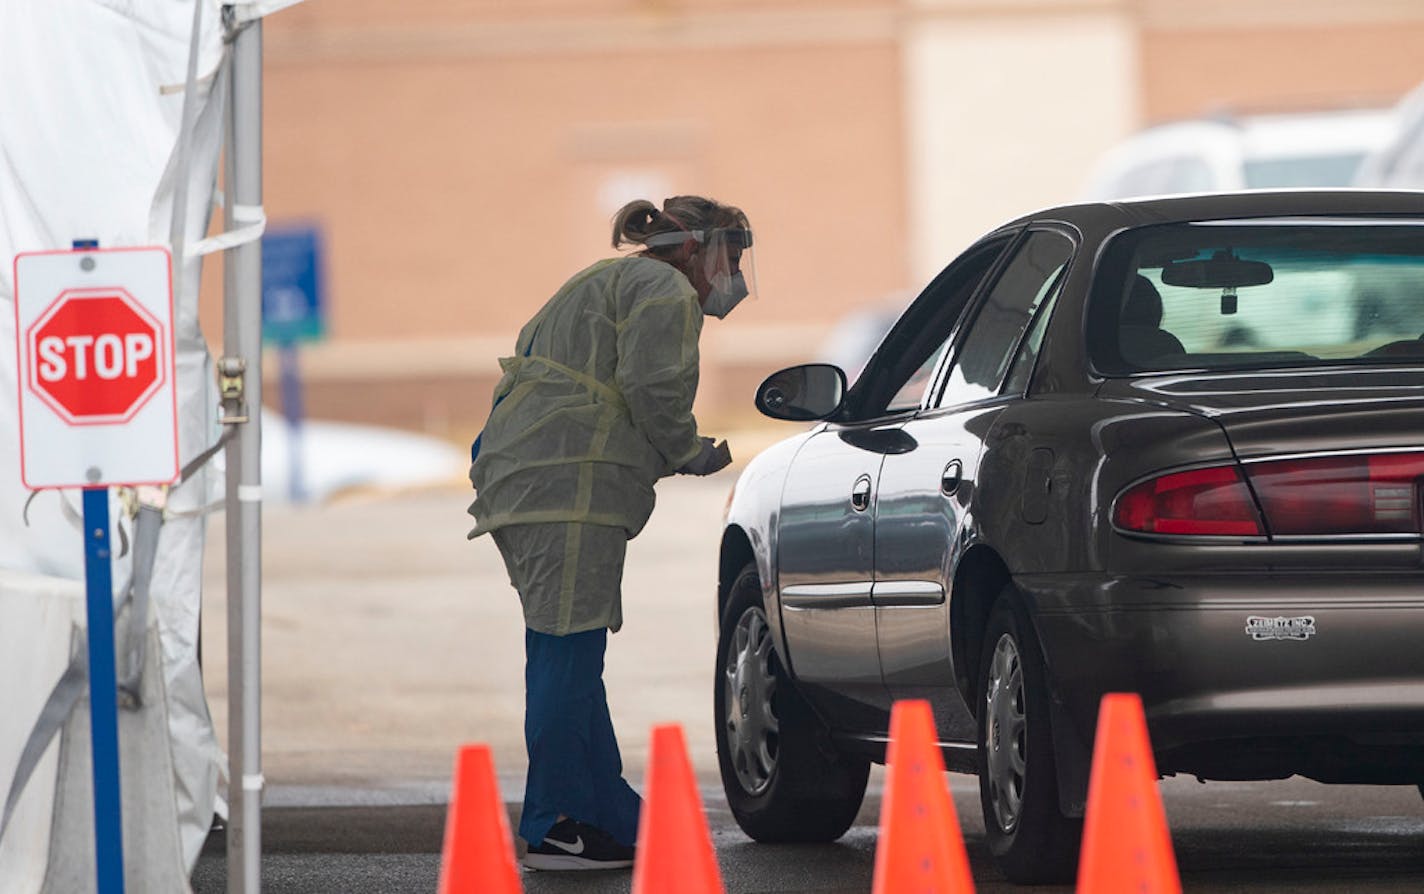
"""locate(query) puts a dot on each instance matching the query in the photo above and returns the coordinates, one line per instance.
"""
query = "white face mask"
(727, 292)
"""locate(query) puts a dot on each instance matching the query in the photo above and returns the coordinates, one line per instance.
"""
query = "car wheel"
(784, 778)
(1030, 838)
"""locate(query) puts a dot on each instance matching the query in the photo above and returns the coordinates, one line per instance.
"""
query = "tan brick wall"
(1196, 72)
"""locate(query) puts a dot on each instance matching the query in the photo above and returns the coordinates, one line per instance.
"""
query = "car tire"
(1031, 840)
(784, 778)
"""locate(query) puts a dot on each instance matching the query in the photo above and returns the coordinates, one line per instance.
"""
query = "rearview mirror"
(1222, 270)
(802, 393)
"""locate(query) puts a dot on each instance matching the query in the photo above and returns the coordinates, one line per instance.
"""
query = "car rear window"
(1256, 294)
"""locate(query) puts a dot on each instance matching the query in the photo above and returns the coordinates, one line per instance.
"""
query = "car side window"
(899, 374)
(913, 392)
(991, 340)
(1019, 373)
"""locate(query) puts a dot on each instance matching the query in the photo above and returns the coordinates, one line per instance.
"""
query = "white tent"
(112, 117)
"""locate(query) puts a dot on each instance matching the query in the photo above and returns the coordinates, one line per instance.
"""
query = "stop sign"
(96, 361)
(95, 356)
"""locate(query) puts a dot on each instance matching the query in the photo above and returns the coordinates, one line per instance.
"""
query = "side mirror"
(802, 393)
(1222, 270)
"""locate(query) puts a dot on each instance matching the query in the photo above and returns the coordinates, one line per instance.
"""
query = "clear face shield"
(730, 269)
(726, 258)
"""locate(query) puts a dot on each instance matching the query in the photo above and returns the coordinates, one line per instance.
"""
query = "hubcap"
(1004, 733)
(751, 730)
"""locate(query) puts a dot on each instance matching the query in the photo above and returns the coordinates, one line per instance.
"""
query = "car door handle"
(950, 478)
(860, 494)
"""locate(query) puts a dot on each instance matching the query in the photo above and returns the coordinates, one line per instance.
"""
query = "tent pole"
(242, 349)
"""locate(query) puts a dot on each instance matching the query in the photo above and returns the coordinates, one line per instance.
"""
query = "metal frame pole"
(241, 370)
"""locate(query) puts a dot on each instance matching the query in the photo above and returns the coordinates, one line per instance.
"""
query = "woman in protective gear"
(593, 408)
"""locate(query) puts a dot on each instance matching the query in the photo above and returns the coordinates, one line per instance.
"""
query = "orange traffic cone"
(1126, 845)
(921, 848)
(674, 846)
(479, 853)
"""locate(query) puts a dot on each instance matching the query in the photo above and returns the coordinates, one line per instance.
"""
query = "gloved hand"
(711, 458)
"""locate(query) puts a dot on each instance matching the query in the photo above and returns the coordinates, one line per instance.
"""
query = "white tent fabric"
(91, 105)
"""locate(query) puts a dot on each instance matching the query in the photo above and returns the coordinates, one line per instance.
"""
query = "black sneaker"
(571, 844)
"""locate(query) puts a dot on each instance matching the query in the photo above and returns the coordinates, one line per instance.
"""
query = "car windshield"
(1249, 294)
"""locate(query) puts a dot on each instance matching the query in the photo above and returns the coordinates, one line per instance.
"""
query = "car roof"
(1135, 212)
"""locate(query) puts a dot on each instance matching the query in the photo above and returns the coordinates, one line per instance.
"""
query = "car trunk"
(1272, 413)
(1326, 454)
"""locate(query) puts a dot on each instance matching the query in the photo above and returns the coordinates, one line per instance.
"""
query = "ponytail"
(634, 222)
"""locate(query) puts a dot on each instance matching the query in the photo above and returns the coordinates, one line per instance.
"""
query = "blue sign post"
(103, 694)
(293, 311)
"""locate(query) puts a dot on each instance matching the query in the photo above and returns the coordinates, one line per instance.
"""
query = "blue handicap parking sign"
(293, 303)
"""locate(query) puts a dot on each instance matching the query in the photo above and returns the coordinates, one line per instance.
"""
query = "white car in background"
(1400, 162)
(1263, 151)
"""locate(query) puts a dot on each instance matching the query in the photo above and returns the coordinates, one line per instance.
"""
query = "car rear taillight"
(1362, 494)
(1213, 501)
(1359, 495)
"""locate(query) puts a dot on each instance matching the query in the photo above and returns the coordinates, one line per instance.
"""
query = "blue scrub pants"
(574, 765)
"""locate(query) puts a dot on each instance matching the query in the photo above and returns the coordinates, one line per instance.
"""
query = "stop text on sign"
(113, 356)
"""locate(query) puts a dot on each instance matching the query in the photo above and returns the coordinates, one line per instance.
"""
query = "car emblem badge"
(1263, 628)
